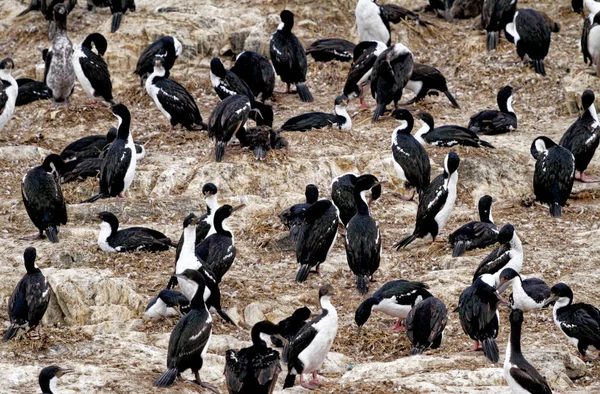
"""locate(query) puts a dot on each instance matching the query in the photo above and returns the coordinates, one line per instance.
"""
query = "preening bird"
(167, 303)
(425, 325)
(476, 235)
(293, 217)
(531, 34)
(508, 255)
(527, 294)
(359, 76)
(227, 118)
(427, 80)
(91, 69)
(290, 326)
(169, 48)
(494, 121)
(257, 72)
(342, 195)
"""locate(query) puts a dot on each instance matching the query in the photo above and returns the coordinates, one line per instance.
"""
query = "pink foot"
(580, 176)
(121, 195)
(307, 385)
(476, 347)
(363, 105)
(399, 326)
(315, 378)
(319, 269)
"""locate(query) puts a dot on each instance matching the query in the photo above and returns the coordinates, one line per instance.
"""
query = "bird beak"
(282, 338)
(503, 286)
(62, 372)
(178, 310)
(503, 301)
(238, 207)
(548, 301)
(195, 220)
(98, 217)
(258, 112)
(517, 89)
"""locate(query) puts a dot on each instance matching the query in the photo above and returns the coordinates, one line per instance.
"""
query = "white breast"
(521, 300)
(153, 92)
(313, 355)
(442, 217)
(414, 86)
(83, 80)
(593, 44)
(131, 169)
(9, 108)
(369, 23)
(390, 307)
(105, 232)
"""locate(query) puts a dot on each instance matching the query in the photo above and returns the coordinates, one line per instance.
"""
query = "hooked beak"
(517, 89)
(178, 310)
(503, 301)
(503, 286)
(548, 301)
(62, 372)
(97, 217)
(195, 220)
(238, 207)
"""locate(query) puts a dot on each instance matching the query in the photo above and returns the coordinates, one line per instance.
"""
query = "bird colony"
(254, 218)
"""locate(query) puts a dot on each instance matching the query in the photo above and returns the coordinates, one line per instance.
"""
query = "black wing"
(317, 233)
(145, 62)
(79, 169)
(303, 338)
(494, 262)
(3, 96)
(423, 72)
(96, 70)
(308, 121)
(189, 337)
(587, 26)
(137, 238)
(178, 101)
(29, 91)
(484, 235)
(553, 178)
(331, 48)
(537, 289)
(43, 198)
(113, 169)
(395, 14)
(430, 205)
(528, 378)
(415, 164)
(18, 310)
(86, 147)
(400, 288)
(38, 296)
(581, 321)
(451, 136)
(236, 370)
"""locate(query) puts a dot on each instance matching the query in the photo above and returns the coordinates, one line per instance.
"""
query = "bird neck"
(5, 75)
(211, 204)
(342, 112)
(189, 239)
(61, 28)
(562, 302)
(421, 132)
(221, 228)
(591, 110)
(123, 130)
(360, 198)
(197, 301)
(48, 386)
(158, 72)
(326, 304)
(515, 243)
(515, 337)
(506, 106)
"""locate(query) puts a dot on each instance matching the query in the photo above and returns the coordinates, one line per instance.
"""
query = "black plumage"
(172, 99)
(395, 14)
(36, 5)
(254, 370)
(477, 234)
(260, 140)
(359, 76)
(319, 120)
(342, 195)
(363, 238)
(427, 80)
(391, 72)
(218, 251)
(465, 9)
(494, 121)
(167, 303)
(29, 300)
(580, 322)
(425, 325)
(91, 69)
(531, 34)
(226, 119)
(31, 90)
(508, 255)
(395, 298)
(590, 35)
(43, 198)
(411, 161)
(316, 237)
(49, 373)
(118, 167)
(436, 204)
(257, 72)
(494, 17)
(521, 376)
(448, 135)
(46, 7)
(554, 174)
(293, 217)
(288, 56)
(117, 9)
(582, 137)
(328, 49)
(89, 147)
(188, 342)
(111, 239)
(528, 294)
(168, 47)
(289, 327)
(80, 169)
(477, 312)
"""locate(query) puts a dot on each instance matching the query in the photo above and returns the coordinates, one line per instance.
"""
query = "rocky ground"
(94, 322)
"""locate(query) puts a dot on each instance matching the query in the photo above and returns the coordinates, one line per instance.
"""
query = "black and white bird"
(478, 314)
(554, 174)
(494, 17)
(527, 294)
(29, 299)
(395, 298)
(91, 69)
(521, 376)
(477, 234)
(372, 22)
(254, 369)
(508, 255)
(117, 9)
(583, 136)
(411, 161)
(342, 195)
(218, 250)
(496, 121)
(166, 304)
(305, 353)
(425, 325)
(257, 72)
(293, 217)
(205, 222)
(391, 72)
(168, 47)
(448, 135)
(30, 91)
(59, 74)
(189, 342)
(427, 80)
(290, 326)
(172, 99)
(118, 167)
(261, 139)
(590, 39)
(43, 197)
(319, 120)
(531, 34)
(436, 204)
(111, 239)
(89, 146)
(363, 238)
(316, 237)
(288, 56)
(226, 119)
(359, 76)
(49, 377)
(579, 322)
(328, 49)
(9, 91)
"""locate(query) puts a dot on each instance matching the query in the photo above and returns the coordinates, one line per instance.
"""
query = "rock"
(234, 314)
(281, 243)
(219, 344)
(23, 152)
(336, 363)
(575, 367)
(253, 314)
(574, 85)
(174, 177)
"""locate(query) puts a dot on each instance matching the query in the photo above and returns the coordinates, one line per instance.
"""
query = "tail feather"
(28, 9)
(166, 379)
(490, 349)
(260, 153)
(302, 273)
(555, 210)
(362, 284)
(416, 350)
(451, 98)
(52, 234)
(95, 198)
(379, 110)
(116, 21)
(304, 93)
(459, 248)
(289, 381)
(405, 242)
(11, 332)
(220, 150)
(226, 317)
(538, 64)
(491, 42)
(486, 144)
